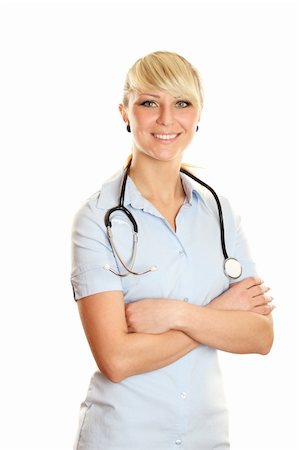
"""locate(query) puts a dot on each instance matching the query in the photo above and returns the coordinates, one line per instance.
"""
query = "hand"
(246, 295)
(151, 315)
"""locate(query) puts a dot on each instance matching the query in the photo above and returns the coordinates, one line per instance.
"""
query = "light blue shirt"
(181, 406)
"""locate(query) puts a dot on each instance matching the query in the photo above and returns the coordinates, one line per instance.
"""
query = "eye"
(148, 103)
(183, 104)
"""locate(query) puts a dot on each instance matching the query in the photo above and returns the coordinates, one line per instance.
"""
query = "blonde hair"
(164, 71)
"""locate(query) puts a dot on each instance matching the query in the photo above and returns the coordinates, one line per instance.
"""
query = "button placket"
(178, 442)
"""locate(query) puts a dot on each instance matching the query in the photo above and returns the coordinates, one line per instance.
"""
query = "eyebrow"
(153, 95)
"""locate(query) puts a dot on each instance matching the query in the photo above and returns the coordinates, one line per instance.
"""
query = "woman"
(155, 336)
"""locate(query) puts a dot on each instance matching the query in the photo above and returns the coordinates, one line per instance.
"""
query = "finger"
(261, 300)
(259, 290)
(252, 281)
(263, 309)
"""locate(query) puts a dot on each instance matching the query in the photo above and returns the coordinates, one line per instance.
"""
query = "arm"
(230, 331)
(99, 297)
(117, 352)
(237, 321)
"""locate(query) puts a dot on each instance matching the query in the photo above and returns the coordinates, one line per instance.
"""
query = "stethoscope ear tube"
(128, 267)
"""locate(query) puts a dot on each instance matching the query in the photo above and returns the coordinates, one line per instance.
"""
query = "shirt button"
(181, 252)
(186, 299)
(183, 395)
(178, 442)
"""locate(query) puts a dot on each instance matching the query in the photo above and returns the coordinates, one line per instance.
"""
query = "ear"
(123, 112)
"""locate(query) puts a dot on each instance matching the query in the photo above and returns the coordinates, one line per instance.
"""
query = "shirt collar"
(108, 196)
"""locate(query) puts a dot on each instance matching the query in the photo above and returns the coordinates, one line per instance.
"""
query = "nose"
(165, 116)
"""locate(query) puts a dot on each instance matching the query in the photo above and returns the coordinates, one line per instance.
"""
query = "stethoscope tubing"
(231, 266)
(218, 204)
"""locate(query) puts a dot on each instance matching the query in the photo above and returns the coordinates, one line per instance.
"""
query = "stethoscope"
(231, 266)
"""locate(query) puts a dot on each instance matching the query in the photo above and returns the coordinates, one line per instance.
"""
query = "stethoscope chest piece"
(232, 268)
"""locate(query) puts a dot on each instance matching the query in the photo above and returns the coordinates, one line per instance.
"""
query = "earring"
(128, 128)
(196, 128)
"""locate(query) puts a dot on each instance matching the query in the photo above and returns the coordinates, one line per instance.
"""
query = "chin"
(165, 153)
(166, 156)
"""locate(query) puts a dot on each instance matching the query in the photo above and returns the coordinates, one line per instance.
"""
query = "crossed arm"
(152, 333)
(237, 321)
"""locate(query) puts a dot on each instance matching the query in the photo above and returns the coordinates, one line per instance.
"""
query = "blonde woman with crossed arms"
(154, 337)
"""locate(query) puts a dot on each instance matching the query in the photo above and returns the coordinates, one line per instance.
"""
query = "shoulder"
(205, 196)
(94, 207)
(208, 199)
(87, 213)
(231, 218)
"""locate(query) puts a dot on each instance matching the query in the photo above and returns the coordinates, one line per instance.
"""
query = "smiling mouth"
(166, 137)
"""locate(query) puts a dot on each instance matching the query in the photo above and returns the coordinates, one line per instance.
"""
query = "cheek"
(142, 119)
(189, 120)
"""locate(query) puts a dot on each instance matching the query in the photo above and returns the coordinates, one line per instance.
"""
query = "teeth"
(165, 136)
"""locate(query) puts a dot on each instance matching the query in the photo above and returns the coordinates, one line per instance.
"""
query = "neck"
(157, 180)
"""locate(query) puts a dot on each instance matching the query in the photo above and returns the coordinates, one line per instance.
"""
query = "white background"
(62, 69)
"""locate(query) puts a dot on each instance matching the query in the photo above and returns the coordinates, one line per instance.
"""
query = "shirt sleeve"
(240, 248)
(90, 252)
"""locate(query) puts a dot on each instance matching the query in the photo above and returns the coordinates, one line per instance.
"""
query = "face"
(162, 125)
